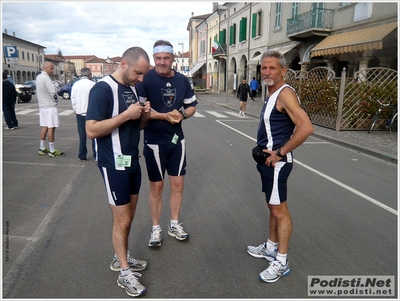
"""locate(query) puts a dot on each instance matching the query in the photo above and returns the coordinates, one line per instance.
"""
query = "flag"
(216, 45)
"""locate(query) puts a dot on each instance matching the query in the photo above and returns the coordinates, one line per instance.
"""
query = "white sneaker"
(155, 237)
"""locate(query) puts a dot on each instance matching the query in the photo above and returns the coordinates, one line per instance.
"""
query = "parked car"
(65, 91)
(31, 83)
(25, 92)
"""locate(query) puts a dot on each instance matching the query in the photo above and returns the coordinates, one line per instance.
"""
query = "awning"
(196, 67)
(285, 48)
(353, 41)
(282, 49)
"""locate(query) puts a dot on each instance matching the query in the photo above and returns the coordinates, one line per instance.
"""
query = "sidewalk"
(380, 144)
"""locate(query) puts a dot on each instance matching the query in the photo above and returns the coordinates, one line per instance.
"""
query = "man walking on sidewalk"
(243, 93)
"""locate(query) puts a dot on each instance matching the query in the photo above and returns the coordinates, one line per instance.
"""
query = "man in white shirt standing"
(79, 99)
(48, 113)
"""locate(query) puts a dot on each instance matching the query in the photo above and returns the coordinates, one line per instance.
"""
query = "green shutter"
(222, 36)
(230, 35)
(242, 30)
(254, 26)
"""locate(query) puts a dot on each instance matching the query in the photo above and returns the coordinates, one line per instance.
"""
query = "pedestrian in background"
(283, 126)
(253, 87)
(48, 113)
(9, 98)
(114, 118)
(172, 100)
(243, 93)
(79, 100)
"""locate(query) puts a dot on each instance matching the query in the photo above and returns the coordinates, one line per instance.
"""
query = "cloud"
(105, 29)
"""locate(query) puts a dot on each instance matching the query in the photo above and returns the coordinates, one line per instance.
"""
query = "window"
(232, 35)
(242, 29)
(278, 15)
(256, 25)
(33, 57)
(202, 47)
(222, 36)
(295, 9)
(23, 55)
(27, 55)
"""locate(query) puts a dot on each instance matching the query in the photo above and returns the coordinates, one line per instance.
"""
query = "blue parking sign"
(11, 54)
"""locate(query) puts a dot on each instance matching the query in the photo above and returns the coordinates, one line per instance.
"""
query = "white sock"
(272, 246)
(282, 258)
(51, 146)
(126, 271)
(240, 112)
(156, 226)
(42, 146)
(174, 222)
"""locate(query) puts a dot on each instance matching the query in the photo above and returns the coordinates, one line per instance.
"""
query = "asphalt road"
(57, 222)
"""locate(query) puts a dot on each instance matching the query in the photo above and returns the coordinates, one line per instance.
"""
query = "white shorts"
(49, 117)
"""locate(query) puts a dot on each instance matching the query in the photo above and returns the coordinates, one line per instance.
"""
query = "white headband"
(163, 48)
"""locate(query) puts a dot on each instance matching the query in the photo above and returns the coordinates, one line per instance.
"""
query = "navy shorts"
(120, 184)
(274, 181)
(165, 157)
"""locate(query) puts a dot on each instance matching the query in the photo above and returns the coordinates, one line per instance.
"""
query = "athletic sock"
(272, 246)
(51, 147)
(156, 226)
(282, 258)
(125, 271)
(174, 223)
(42, 146)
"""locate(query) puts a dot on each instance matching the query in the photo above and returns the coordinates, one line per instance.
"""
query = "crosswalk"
(199, 114)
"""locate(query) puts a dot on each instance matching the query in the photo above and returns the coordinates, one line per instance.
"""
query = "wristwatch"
(183, 112)
(278, 153)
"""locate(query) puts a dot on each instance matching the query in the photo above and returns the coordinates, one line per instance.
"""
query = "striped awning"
(353, 41)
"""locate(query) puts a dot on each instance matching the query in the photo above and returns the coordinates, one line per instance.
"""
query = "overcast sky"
(105, 29)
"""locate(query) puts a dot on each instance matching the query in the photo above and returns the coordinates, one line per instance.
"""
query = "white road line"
(24, 112)
(197, 114)
(66, 112)
(232, 113)
(364, 196)
(216, 114)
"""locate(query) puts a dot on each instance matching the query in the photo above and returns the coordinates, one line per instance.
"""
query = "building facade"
(337, 35)
(30, 58)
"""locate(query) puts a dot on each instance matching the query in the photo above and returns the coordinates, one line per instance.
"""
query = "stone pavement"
(380, 144)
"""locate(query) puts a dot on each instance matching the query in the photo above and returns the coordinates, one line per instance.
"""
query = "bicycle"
(390, 123)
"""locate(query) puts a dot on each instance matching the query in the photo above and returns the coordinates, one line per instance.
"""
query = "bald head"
(48, 67)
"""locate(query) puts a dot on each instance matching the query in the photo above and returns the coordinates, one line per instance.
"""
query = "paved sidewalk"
(381, 144)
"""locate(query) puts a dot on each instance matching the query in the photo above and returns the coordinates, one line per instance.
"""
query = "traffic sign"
(11, 54)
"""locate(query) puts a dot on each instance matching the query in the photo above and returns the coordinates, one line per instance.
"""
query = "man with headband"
(172, 100)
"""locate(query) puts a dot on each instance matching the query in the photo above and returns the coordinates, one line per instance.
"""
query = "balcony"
(220, 52)
(317, 22)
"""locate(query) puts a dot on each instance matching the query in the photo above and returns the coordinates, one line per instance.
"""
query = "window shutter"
(254, 26)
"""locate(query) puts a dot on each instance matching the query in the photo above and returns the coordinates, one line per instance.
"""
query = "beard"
(269, 82)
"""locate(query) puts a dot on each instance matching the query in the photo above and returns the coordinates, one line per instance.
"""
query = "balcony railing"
(314, 20)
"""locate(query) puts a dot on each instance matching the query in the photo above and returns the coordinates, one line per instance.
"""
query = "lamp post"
(182, 56)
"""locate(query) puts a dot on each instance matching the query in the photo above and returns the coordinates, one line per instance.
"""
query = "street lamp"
(182, 56)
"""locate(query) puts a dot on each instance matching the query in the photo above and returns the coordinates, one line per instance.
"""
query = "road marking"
(216, 114)
(197, 114)
(364, 196)
(24, 112)
(232, 113)
(66, 112)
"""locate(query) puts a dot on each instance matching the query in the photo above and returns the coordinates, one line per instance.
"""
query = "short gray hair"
(133, 54)
(86, 72)
(275, 54)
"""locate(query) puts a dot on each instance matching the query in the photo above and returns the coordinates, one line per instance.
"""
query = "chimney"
(5, 30)
(215, 6)
(13, 34)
